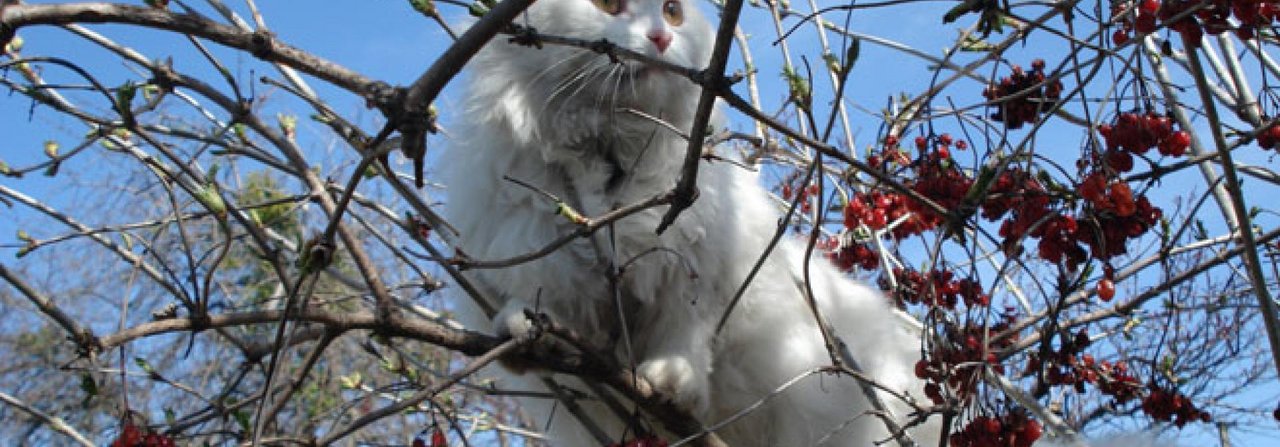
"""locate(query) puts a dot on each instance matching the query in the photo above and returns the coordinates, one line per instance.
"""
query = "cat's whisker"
(577, 57)
(631, 73)
(613, 93)
(565, 83)
(605, 98)
(585, 81)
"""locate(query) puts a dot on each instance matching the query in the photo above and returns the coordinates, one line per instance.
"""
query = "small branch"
(411, 118)
(83, 337)
(686, 190)
(586, 227)
(260, 44)
(54, 422)
(430, 392)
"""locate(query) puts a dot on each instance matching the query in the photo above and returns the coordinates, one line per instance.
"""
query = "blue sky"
(387, 40)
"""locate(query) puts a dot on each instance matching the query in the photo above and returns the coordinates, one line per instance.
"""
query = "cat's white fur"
(551, 117)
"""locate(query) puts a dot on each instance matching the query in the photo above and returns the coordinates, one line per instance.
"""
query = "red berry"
(1145, 24)
(878, 219)
(438, 439)
(1106, 289)
(130, 436)
(1120, 37)
(922, 370)
(1149, 7)
(1032, 430)
(1180, 141)
(992, 426)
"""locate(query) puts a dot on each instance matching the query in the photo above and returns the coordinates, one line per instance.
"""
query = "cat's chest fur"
(593, 162)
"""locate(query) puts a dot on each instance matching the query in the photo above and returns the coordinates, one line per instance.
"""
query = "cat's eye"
(673, 12)
(612, 7)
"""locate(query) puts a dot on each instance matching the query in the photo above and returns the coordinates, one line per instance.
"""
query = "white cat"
(556, 118)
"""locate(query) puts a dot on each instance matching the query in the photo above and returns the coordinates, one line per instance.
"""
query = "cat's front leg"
(678, 364)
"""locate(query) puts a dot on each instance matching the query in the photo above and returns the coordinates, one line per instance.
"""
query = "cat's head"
(671, 30)
(559, 80)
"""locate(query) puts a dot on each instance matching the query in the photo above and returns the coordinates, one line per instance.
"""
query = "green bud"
(125, 94)
(146, 367)
(15, 45)
(288, 124)
(833, 63)
(350, 382)
(241, 131)
(209, 197)
(426, 7)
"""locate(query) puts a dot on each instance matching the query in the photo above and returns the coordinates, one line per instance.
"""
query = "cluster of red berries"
(1066, 365)
(960, 362)
(1213, 18)
(1170, 405)
(875, 210)
(1018, 193)
(892, 152)
(1033, 95)
(1077, 369)
(1058, 241)
(1014, 429)
(437, 440)
(1136, 134)
(805, 192)
(1114, 380)
(936, 288)
(643, 441)
(1143, 20)
(935, 177)
(132, 436)
(848, 256)
(1114, 216)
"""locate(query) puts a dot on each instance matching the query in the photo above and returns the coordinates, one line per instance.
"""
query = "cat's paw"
(680, 379)
(512, 321)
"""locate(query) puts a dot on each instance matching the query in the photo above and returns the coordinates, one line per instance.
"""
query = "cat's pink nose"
(660, 39)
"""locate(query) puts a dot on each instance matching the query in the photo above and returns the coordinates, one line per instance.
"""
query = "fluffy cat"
(557, 118)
